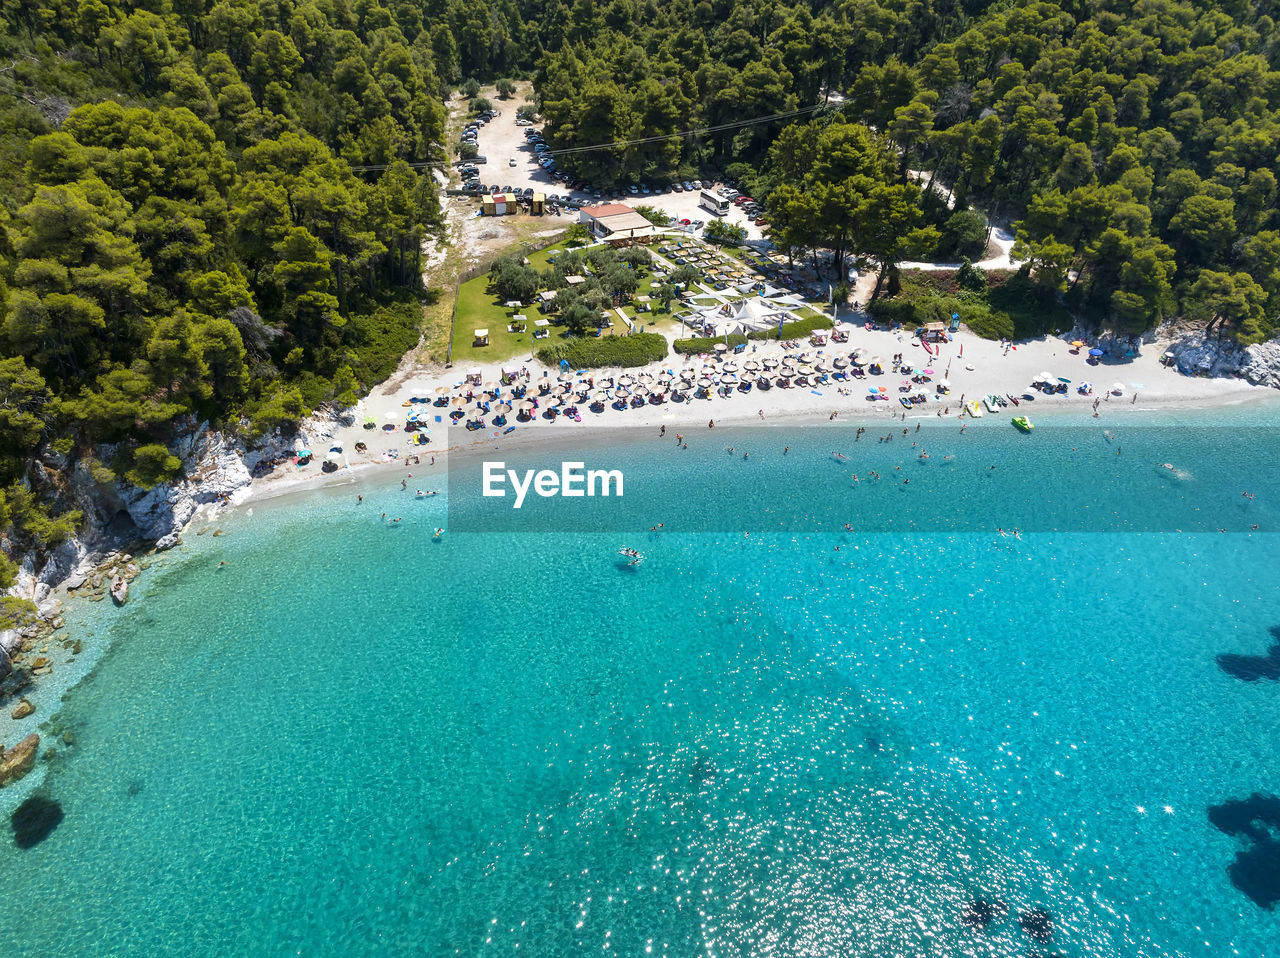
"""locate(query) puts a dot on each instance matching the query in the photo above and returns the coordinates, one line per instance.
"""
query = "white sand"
(993, 370)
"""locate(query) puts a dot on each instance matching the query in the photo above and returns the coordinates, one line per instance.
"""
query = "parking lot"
(500, 141)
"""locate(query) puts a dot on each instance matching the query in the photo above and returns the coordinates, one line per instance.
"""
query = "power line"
(621, 144)
(736, 124)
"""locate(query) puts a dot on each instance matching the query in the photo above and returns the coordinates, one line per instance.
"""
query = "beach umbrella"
(392, 416)
(841, 362)
(1077, 343)
(770, 364)
(927, 372)
(873, 390)
(1095, 351)
(688, 374)
(705, 383)
(526, 406)
(877, 361)
(442, 390)
(502, 409)
(490, 387)
(1117, 387)
(1063, 379)
(303, 453)
(1042, 377)
(552, 403)
(882, 389)
(369, 420)
(721, 347)
(944, 383)
(730, 367)
(625, 380)
(751, 365)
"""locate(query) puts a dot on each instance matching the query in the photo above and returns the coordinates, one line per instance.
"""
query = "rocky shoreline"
(123, 526)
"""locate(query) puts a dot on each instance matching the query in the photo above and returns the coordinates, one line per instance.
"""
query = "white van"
(511, 161)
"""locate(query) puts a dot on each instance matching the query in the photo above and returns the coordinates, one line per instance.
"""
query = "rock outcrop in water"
(19, 760)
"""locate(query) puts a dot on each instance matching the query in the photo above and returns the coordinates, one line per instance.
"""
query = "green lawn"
(480, 308)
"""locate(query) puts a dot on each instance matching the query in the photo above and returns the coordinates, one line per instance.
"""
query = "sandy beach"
(973, 366)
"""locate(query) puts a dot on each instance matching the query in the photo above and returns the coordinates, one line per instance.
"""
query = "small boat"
(119, 590)
(437, 534)
(974, 408)
(1023, 423)
(1012, 398)
(992, 403)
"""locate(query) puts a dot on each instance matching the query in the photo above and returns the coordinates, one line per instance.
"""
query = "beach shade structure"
(442, 390)
(392, 416)
(1064, 379)
(927, 372)
(944, 384)
(552, 403)
(502, 409)
(369, 421)
(304, 454)
(526, 406)
(877, 361)
(770, 364)
(751, 365)
(705, 383)
(459, 402)
(1117, 388)
(841, 362)
(1044, 377)
(1095, 351)
(882, 389)
(874, 390)
(687, 374)
(625, 380)
(722, 347)
(641, 390)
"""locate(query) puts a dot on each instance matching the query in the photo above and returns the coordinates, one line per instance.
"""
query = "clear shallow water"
(352, 739)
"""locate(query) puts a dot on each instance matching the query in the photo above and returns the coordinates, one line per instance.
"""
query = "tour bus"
(712, 203)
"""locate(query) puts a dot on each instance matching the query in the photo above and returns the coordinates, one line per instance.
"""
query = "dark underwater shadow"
(1251, 668)
(35, 820)
(1256, 870)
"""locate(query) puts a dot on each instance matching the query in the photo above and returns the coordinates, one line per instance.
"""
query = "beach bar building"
(617, 224)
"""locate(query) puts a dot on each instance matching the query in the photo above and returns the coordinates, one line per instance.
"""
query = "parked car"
(697, 184)
(688, 186)
(686, 221)
(762, 222)
(633, 189)
(677, 187)
(698, 224)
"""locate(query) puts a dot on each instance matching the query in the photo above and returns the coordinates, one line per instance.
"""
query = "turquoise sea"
(353, 739)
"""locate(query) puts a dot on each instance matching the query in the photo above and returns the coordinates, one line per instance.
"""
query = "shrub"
(506, 89)
(796, 329)
(639, 349)
(152, 465)
(480, 104)
(706, 344)
(470, 87)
